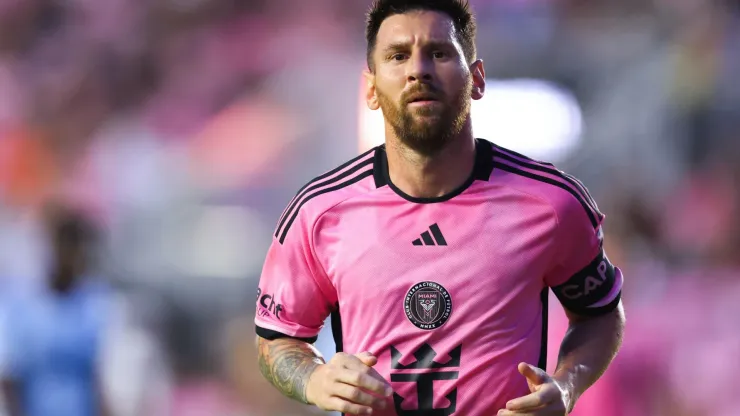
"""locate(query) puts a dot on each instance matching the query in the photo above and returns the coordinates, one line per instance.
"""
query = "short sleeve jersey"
(450, 293)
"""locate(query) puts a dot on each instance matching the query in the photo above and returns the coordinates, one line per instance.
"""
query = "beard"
(427, 130)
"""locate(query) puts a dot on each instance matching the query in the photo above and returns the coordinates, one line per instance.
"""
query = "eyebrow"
(435, 44)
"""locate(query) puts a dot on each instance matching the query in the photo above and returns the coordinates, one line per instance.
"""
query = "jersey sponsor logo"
(425, 359)
(428, 305)
(267, 305)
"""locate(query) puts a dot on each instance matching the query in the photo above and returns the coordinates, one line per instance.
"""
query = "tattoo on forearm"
(288, 364)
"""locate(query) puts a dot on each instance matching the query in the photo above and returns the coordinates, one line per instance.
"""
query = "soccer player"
(52, 339)
(434, 252)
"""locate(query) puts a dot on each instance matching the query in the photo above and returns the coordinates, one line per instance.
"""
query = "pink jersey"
(451, 292)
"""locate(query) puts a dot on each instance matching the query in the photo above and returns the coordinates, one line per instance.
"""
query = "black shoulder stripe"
(323, 176)
(298, 198)
(499, 149)
(583, 194)
(580, 188)
(550, 181)
(344, 184)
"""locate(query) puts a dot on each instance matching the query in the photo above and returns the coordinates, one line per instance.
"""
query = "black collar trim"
(481, 172)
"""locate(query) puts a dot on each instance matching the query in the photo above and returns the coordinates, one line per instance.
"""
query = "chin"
(428, 127)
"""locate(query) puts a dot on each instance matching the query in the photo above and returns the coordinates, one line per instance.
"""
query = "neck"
(430, 176)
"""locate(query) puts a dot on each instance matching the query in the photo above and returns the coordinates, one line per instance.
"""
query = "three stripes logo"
(434, 239)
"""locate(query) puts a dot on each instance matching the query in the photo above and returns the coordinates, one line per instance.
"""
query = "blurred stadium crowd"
(181, 128)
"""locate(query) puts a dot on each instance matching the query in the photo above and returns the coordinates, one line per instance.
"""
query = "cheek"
(387, 93)
(391, 81)
(459, 85)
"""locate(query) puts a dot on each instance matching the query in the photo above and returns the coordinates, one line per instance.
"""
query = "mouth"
(423, 103)
(424, 98)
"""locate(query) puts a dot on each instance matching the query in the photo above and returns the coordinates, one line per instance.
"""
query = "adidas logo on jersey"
(434, 239)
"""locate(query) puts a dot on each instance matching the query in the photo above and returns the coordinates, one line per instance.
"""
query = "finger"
(353, 362)
(340, 405)
(364, 381)
(535, 375)
(357, 396)
(535, 412)
(552, 409)
(529, 402)
(546, 395)
(375, 374)
(367, 358)
(512, 413)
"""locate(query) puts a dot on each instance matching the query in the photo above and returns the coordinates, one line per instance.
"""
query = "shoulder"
(567, 195)
(350, 179)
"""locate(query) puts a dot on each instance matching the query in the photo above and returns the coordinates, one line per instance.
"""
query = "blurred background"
(158, 142)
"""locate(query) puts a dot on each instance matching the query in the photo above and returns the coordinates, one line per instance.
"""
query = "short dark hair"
(458, 10)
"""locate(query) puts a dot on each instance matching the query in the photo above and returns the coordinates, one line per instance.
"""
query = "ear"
(479, 79)
(371, 98)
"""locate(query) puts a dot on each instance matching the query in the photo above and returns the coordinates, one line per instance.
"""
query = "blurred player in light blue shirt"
(51, 340)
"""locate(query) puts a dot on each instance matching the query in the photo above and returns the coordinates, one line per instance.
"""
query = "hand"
(348, 384)
(548, 398)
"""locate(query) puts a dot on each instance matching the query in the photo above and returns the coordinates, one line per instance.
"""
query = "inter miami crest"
(428, 305)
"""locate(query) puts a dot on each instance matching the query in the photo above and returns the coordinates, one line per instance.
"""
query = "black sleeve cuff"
(271, 335)
(603, 310)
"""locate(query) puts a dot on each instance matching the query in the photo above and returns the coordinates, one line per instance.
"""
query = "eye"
(398, 57)
(439, 54)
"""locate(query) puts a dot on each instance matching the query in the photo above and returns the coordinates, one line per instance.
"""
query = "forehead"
(416, 27)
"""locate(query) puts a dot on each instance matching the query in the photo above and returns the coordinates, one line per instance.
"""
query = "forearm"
(287, 364)
(588, 348)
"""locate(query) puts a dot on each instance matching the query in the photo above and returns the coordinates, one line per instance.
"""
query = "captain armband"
(593, 291)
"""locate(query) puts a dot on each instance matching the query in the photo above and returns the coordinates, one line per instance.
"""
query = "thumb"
(533, 374)
(367, 358)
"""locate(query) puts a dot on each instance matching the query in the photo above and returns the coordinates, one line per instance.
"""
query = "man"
(52, 339)
(434, 252)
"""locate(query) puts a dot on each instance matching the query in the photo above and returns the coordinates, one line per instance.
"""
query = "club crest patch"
(428, 305)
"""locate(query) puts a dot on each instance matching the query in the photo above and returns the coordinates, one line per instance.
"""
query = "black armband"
(590, 286)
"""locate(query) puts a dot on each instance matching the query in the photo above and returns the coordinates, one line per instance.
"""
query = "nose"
(419, 69)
